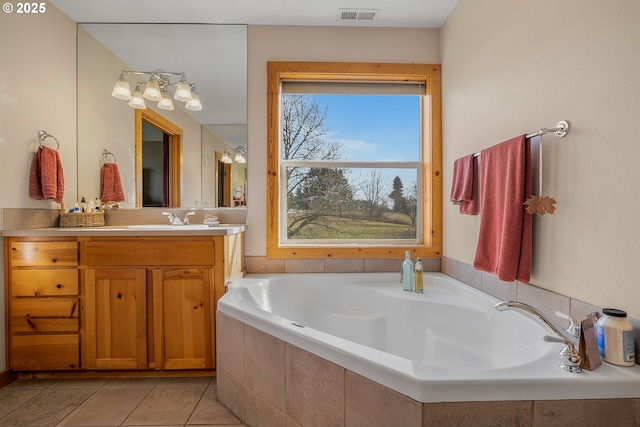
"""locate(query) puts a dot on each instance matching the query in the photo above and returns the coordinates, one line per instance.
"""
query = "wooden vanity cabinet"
(120, 303)
(148, 303)
(42, 304)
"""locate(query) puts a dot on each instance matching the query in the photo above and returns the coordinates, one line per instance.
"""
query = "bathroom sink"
(169, 227)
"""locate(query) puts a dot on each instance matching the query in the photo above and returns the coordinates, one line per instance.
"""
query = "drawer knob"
(119, 295)
(54, 260)
(59, 286)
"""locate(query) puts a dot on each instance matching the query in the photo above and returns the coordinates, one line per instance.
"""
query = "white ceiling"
(220, 73)
(392, 13)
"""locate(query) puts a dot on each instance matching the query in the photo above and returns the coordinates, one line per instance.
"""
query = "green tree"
(397, 196)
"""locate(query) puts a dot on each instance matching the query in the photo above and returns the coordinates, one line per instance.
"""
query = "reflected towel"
(464, 188)
(46, 178)
(110, 184)
(505, 239)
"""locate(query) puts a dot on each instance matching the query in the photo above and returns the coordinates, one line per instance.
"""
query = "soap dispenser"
(419, 268)
(408, 273)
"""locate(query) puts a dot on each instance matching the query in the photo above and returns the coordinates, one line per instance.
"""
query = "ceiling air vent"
(352, 15)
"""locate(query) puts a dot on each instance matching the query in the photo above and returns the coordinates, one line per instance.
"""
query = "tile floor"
(114, 402)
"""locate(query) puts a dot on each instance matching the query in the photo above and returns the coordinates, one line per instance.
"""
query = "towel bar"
(561, 130)
(43, 135)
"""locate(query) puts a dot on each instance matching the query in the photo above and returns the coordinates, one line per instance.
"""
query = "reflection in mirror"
(158, 146)
(214, 57)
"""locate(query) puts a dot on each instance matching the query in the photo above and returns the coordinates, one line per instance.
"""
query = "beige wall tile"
(545, 301)
(499, 289)
(469, 275)
(304, 266)
(230, 393)
(258, 265)
(260, 413)
(374, 265)
(265, 366)
(344, 265)
(371, 404)
(314, 390)
(230, 345)
(449, 266)
(477, 414)
(578, 413)
(579, 310)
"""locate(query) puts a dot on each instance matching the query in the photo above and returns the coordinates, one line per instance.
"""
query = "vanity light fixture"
(156, 88)
(238, 155)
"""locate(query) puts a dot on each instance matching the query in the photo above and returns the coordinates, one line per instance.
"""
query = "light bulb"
(165, 103)
(121, 90)
(152, 91)
(137, 101)
(194, 104)
(183, 91)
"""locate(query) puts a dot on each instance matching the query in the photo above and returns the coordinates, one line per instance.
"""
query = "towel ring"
(106, 153)
(43, 135)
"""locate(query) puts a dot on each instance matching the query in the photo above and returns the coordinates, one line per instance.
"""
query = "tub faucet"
(570, 357)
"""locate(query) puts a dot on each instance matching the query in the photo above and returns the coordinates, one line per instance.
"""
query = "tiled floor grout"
(99, 402)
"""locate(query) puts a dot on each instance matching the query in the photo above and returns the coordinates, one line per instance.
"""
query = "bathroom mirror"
(213, 57)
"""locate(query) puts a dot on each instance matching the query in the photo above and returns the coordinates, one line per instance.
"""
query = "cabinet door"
(114, 319)
(183, 303)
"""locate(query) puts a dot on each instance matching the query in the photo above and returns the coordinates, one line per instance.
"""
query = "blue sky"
(380, 127)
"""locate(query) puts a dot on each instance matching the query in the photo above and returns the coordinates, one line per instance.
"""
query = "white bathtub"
(446, 345)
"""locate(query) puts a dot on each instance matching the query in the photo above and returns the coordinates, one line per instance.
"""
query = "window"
(353, 160)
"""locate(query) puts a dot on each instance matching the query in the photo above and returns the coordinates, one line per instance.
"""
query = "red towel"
(505, 239)
(46, 179)
(464, 188)
(111, 184)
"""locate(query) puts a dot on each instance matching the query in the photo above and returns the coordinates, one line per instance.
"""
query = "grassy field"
(392, 226)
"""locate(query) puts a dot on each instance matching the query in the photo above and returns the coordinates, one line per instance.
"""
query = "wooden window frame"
(431, 238)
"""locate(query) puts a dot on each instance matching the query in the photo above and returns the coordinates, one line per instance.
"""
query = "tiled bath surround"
(267, 382)
(270, 383)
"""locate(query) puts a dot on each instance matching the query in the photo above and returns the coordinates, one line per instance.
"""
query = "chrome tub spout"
(570, 356)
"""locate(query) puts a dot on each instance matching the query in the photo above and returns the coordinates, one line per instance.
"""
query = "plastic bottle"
(83, 205)
(408, 274)
(418, 269)
(615, 337)
(91, 207)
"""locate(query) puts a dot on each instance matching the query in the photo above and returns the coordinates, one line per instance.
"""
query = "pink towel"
(464, 188)
(111, 184)
(505, 239)
(46, 179)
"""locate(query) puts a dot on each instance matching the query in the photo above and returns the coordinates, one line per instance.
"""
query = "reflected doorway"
(158, 148)
(223, 182)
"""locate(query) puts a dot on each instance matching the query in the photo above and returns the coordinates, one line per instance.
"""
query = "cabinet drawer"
(41, 315)
(49, 282)
(44, 254)
(150, 253)
(44, 352)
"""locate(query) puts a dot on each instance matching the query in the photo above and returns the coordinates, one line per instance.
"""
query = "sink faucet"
(174, 220)
(569, 355)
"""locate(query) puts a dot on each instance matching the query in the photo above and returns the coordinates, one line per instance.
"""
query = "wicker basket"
(91, 219)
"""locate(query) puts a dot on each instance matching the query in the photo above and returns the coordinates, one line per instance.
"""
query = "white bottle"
(408, 273)
(616, 337)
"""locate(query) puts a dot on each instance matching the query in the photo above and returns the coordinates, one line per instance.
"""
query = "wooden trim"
(175, 153)
(431, 237)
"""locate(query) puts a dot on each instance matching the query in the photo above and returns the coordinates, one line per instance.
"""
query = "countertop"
(129, 230)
